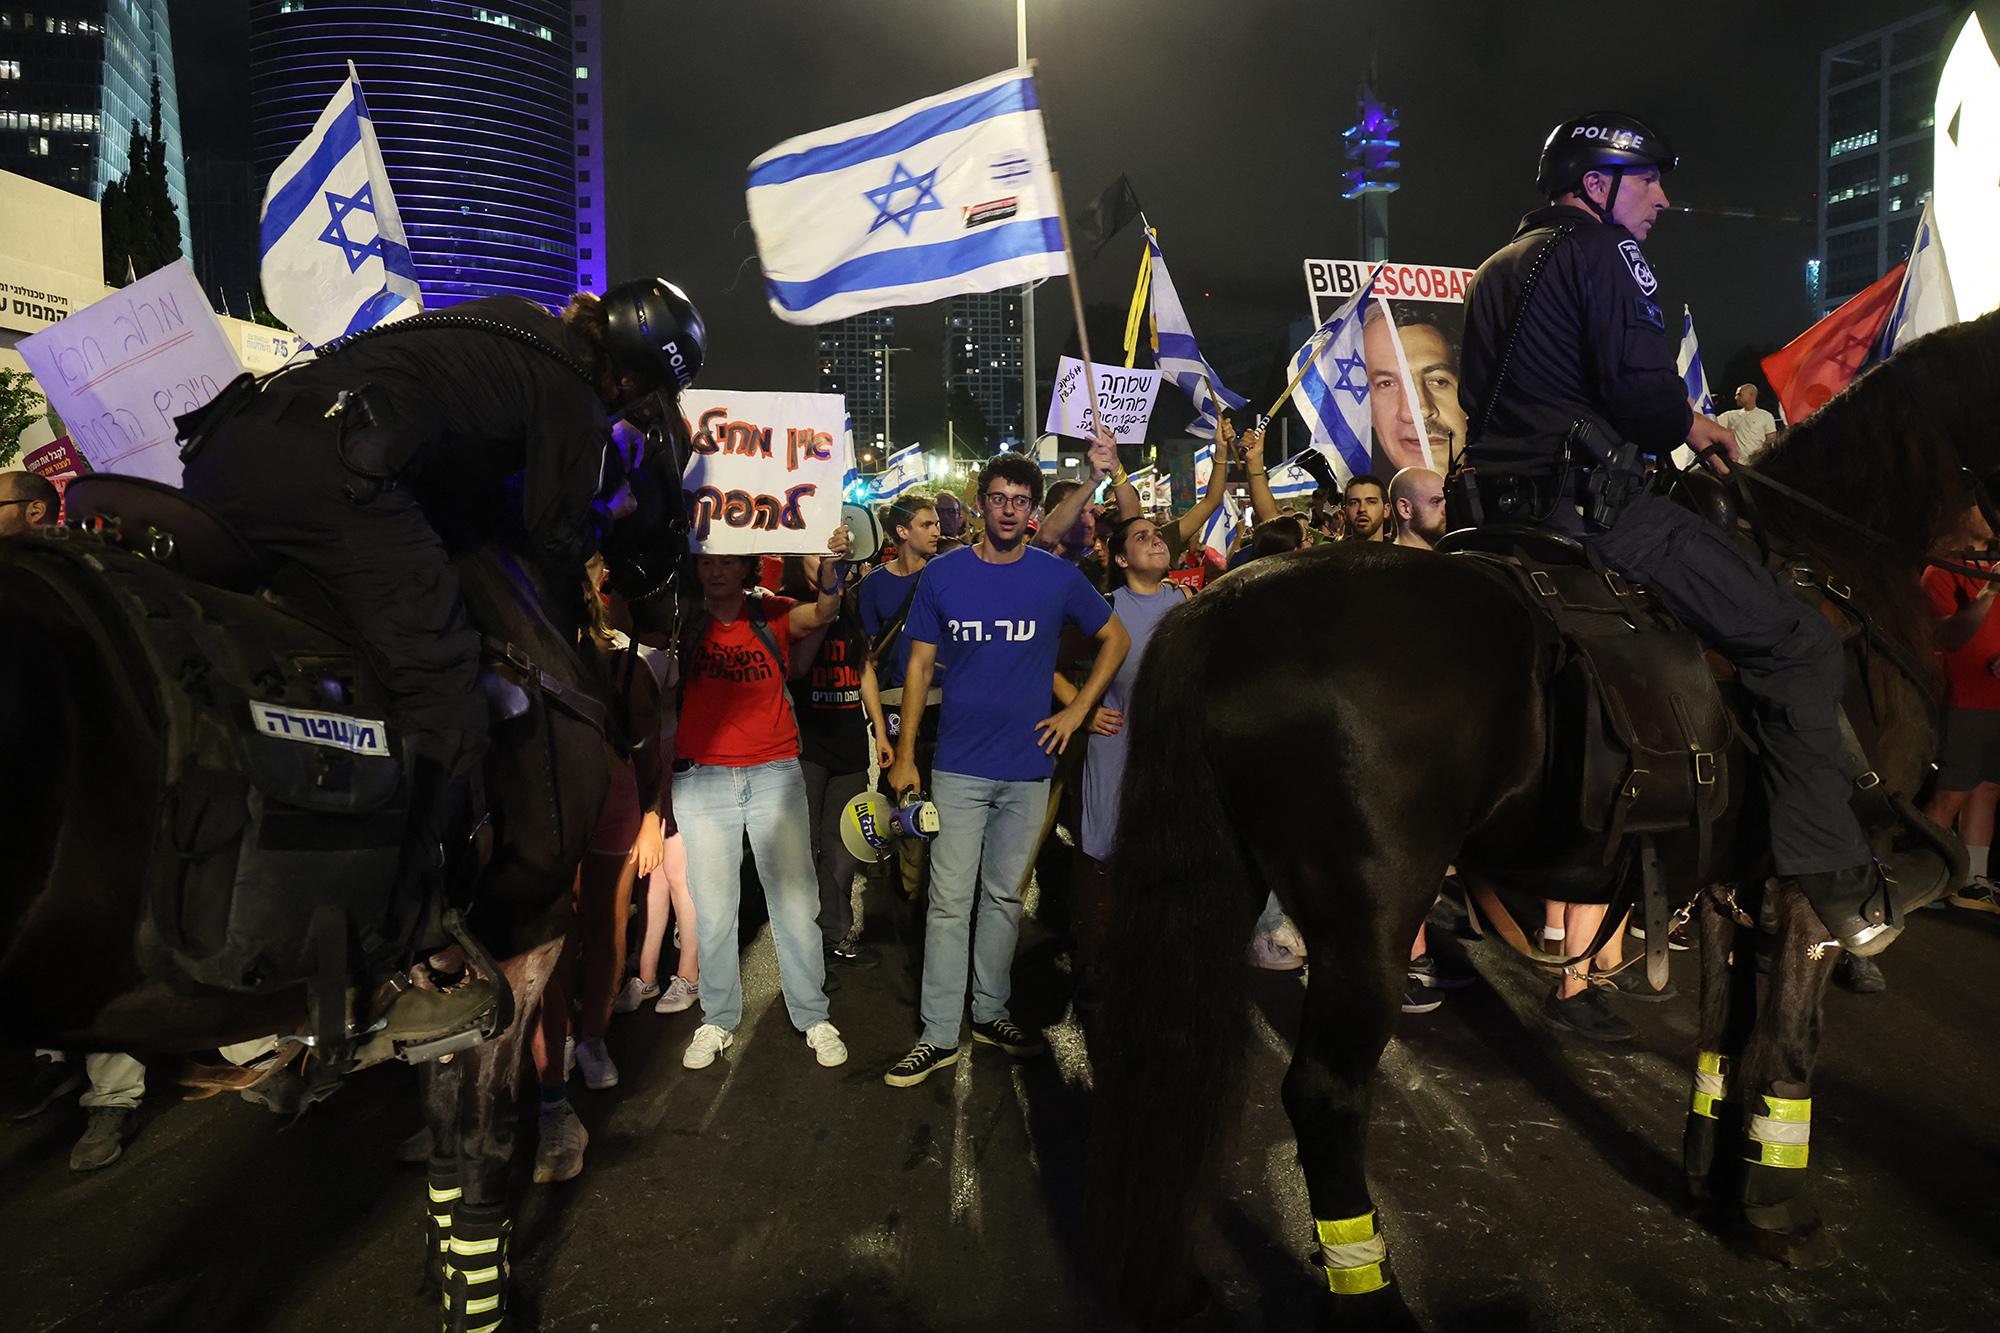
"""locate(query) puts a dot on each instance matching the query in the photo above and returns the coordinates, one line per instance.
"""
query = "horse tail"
(1176, 1027)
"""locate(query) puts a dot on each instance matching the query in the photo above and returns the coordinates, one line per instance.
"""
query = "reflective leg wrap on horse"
(475, 1277)
(442, 1193)
(1710, 1119)
(1354, 1254)
(1781, 1224)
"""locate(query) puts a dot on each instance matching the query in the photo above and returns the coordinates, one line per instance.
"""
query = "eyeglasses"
(1009, 504)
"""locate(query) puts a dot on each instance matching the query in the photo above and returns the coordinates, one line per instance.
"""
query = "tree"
(142, 229)
(20, 407)
(969, 426)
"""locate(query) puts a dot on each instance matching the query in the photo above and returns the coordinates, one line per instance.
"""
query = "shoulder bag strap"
(893, 629)
(1478, 426)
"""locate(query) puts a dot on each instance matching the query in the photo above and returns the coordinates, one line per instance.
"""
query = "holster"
(195, 428)
(1526, 481)
(368, 442)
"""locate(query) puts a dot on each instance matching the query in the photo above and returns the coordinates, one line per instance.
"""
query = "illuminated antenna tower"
(1370, 145)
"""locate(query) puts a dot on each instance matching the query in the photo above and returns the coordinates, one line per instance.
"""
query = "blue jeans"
(715, 806)
(986, 836)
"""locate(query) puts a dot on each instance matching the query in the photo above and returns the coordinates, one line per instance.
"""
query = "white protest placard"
(121, 369)
(767, 471)
(1124, 396)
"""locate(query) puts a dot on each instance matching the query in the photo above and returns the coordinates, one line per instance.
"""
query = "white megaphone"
(870, 826)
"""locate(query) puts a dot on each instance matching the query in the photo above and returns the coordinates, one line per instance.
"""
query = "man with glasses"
(993, 613)
(28, 500)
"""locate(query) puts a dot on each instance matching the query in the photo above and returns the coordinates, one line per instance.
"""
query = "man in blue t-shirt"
(994, 614)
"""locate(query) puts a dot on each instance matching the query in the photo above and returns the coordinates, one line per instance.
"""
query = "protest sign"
(57, 458)
(1125, 397)
(1410, 336)
(767, 470)
(121, 369)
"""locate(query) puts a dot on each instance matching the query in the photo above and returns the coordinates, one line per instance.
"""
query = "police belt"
(1529, 480)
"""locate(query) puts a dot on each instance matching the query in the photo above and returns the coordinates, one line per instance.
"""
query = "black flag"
(1114, 208)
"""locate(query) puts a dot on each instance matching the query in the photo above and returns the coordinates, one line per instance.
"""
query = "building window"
(583, 124)
(10, 69)
(583, 201)
(583, 229)
(583, 71)
(583, 46)
(582, 20)
(583, 254)
(583, 99)
(583, 177)
(583, 150)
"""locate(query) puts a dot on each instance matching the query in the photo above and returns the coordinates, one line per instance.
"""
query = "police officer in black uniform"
(331, 466)
(1570, 390)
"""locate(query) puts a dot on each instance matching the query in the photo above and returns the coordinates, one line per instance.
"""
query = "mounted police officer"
(1569, 380)
(348, 466)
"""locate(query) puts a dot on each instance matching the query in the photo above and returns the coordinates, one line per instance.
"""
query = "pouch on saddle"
(280, 789)
(1638, 725)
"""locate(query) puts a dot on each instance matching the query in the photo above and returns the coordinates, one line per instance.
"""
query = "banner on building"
(1410, 343)
(1125, 397)
(767, 471)
(121, 369)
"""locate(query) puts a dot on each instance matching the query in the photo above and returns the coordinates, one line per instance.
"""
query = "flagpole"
(1295, 380)
(1076, 301)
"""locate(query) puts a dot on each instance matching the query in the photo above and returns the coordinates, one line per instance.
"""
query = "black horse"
(82, 786)
(1429, 752)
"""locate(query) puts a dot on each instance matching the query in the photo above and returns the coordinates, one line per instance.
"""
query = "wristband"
(1119, 478)
(1258, 472)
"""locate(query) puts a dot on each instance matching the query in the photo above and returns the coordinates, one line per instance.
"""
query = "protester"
(886, 595)
(28, 500)
(1365, 508)
(1416, 504)
(1753, 427)
(1968, 760)
(951, 521)
(736, 771)
(998, 610)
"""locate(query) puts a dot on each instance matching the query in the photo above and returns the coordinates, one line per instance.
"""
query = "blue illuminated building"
(74, 75)
(489, 121)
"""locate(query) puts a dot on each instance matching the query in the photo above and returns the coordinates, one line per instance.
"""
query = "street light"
(888, 436)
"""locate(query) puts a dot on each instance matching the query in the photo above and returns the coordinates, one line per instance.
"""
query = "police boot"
(1858, 906)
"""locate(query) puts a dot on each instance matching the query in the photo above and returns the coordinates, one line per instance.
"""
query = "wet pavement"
(1524, 1182)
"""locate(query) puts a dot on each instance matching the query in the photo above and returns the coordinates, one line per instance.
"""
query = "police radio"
(870, 826)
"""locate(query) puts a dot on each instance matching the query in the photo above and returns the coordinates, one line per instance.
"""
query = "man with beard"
(1365, 508)
(1400, 434)
(1416, 498)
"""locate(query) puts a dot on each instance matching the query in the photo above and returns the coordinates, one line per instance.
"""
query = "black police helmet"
(1600, 140)
(653, 330)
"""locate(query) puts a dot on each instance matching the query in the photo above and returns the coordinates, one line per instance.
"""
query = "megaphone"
(870, 826)
(864, 533)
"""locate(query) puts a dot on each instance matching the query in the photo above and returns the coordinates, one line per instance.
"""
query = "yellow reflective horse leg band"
(1353, 1255)
(1780, 1137)
(486, 1255)
(1711, 1082)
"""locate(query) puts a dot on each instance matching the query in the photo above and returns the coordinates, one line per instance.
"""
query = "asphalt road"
(1524, 1182)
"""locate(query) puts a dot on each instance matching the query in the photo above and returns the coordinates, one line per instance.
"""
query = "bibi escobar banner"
(767, 471)
(1410, 339)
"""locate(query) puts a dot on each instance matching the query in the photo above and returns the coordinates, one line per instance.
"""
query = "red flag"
(1817, 364)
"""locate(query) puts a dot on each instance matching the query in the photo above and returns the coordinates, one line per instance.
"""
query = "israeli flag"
(1220, 533)
(1288, 479)
(1179, 359)
(1926, 303)
(1690, 367)
(1331, 386)
(939, 198)
(335, 260)
(905, 470)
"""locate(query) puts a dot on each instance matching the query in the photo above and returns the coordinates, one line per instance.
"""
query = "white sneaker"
(1267, 952)
(680, 994)
(635, 993)
(1287, 936)
(824, 1038)
(559, 1154)
(709, 1041)
(569, 1058)
(598, 1070)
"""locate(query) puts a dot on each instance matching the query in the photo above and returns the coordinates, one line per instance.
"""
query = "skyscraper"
(485, 117)
(222, 225)
(851, 364)
(72, 84)
(1875, 158)
(982, 355)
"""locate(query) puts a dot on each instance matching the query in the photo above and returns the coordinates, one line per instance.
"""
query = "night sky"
(1227, 118)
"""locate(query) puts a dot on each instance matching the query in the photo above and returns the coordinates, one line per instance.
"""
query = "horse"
(1431, 752)
(84, 786)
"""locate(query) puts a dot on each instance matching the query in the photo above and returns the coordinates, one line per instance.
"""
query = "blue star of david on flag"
(1330, 386)
(357, 252)
(900, 179)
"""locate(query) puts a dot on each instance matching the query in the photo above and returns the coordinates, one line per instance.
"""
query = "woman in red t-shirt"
(736, 772)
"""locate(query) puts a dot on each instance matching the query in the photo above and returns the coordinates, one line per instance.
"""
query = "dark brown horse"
(82, 786)
(1430, 752)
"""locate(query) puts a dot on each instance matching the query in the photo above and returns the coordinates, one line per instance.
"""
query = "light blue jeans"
(715, 806)
(987, 831)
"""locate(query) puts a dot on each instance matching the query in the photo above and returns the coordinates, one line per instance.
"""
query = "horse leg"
(1352, 996)
(1777, 1072)
(470, 1103)
(1728, 1014)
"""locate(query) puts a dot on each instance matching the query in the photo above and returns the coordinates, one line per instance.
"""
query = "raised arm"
(1194, 520)
(809, 616)
(1262, 503)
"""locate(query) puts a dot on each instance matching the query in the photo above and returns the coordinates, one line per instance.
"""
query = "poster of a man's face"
(1430, 349)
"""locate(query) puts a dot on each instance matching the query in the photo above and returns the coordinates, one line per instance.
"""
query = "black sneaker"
(1587, 1014)
(1419, 1000)
(918, 1065)
(1002, 1033)
(1426, 970)
(1863, 976)
(1632, 983)
(848, 953)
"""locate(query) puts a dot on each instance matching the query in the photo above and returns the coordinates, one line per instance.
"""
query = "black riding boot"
(475, 1278)
(1858, 906)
